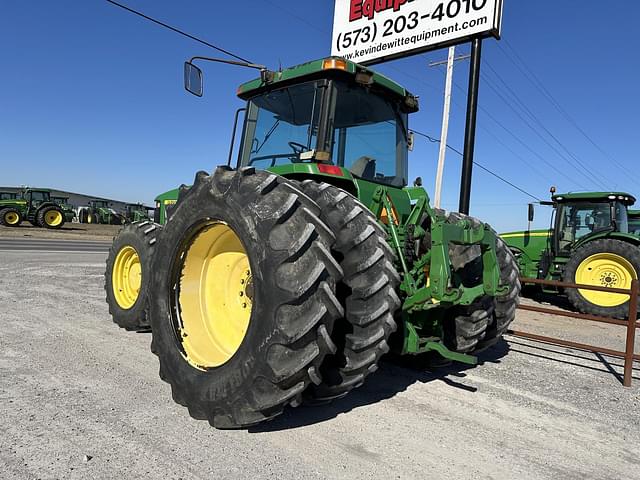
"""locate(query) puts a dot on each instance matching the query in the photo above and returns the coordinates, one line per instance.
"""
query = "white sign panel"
(372, 31)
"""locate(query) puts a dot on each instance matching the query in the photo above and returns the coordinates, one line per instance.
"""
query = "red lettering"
(355, 12)
(367, 9)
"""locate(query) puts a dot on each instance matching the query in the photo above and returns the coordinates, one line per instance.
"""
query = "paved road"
(53, 246)
(81, 398)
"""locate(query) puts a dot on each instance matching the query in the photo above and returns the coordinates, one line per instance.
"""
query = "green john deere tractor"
(100, 212)
(285, 279)
(34, 205)
(136, 212)
(69, 212)
(590, 242)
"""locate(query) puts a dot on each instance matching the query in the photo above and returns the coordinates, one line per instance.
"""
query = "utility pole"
(470, 130)
(445, 121)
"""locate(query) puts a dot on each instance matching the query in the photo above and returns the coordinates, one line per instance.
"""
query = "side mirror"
(410, 141)
(532, 212)
(192, 79)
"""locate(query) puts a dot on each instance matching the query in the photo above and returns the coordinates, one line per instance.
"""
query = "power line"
(521, 142)
(536, 82)
(188, 35)
(479, 165)
(573, 160)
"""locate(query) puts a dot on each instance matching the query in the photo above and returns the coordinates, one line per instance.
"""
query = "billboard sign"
(374, 31)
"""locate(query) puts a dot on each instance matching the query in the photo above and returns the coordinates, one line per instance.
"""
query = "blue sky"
(91, 97)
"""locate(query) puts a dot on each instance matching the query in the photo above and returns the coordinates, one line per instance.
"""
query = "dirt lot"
(71, 231)
(81, 399)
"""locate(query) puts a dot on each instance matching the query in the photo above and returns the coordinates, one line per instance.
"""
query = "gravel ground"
(71, 231)
(81, 399)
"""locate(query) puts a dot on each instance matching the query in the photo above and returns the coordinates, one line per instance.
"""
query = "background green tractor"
(100, 212)
(34, 205)
(69, 212)
(285, 279)
(590, 242)
(136, 212)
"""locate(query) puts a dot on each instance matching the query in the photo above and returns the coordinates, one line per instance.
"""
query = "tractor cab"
(8, 196)
(331, 115)
(582, 215)
(36, 197)
(99, 204)
(329, 118)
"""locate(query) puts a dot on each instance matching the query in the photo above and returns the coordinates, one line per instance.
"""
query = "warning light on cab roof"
(334, 63)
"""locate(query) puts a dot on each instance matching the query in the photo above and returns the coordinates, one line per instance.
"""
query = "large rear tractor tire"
(244, 299)
(51, 217)
(128, 275)
(10, 217)
(505, 305)
(367, 292)
(603, 263)
(473, 328)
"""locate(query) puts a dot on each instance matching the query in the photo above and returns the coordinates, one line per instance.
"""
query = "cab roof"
(624, 197)
(321, 69)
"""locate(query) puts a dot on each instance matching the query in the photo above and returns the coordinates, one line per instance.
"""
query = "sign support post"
(470, 130)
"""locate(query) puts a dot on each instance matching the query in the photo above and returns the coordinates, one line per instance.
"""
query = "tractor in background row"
(136, 212)
(285, 279)
(34, 205)
(100, 212)
(594, 240)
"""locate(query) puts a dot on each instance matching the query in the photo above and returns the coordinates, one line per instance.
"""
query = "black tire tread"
(290, 358)
(145, 234)
(7, 210)
(619, 247)
(368, 292)
(41, 213)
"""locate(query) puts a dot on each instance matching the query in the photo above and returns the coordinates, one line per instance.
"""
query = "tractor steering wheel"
(297, 148)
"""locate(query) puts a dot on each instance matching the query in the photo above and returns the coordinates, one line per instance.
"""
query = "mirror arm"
(265, 74)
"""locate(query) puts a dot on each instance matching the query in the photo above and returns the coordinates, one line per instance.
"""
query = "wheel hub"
(53, 218)
(11, 218)
(215, 296)
(606, 270)
(127, 277)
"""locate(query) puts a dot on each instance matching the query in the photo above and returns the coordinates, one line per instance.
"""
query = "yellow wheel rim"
(126, 277)
(89, 218)
(53, 218)
(11, 218)
(215, 297)
(606, 270)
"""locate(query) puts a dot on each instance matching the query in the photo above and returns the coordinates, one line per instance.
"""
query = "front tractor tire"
(244, 298)
(10, 217)
(51, 217)
(368, 292)
(603, 263)
(128, 275)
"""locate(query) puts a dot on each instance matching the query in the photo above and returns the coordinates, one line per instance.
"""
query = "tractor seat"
(364, 167)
